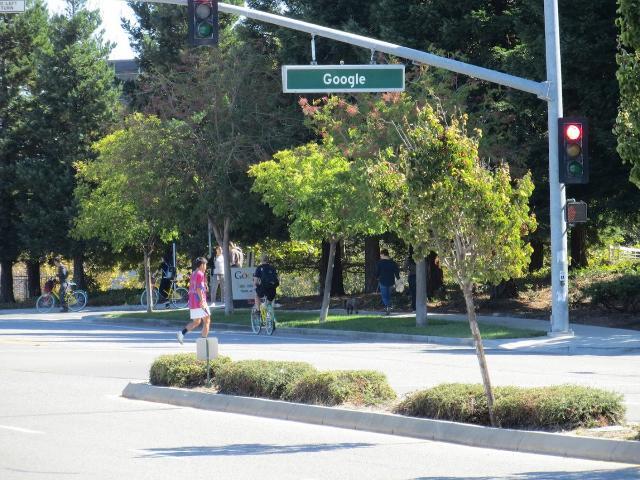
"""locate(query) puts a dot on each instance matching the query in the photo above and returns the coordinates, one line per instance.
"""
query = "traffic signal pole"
(557, 190)
(550, 91)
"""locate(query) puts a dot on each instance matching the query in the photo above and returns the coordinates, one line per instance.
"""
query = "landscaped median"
(368, 323)
(297, 391)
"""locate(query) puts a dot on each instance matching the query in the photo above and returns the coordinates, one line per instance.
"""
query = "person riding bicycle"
(168, 272)
(62, 273)
(265, 280)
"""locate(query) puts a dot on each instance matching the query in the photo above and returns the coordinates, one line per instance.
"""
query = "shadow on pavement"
(247, 449)
(614, 474)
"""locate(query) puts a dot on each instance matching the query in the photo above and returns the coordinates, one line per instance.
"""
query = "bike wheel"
(45, 303)
(256, 321)
(77, 300)
(179, 297)
(270, 320)
(154, 298)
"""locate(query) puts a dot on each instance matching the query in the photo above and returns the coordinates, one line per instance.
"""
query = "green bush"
(621, 294)
(123, 296)
(260, 378)
(183, 370)
(358, 387)
(563, 407)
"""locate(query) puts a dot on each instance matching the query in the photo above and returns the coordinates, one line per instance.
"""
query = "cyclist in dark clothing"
(266, 280)
(63, 273)
(167, 270)
(387, 272)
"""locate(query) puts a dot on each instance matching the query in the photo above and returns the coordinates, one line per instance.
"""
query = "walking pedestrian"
(218, 276)
(387, 272)
(410, 267)
(198, 307)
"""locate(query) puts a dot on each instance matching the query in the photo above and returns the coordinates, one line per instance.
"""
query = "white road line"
(22, 430)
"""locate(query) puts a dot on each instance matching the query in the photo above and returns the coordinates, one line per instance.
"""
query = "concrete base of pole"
(566, 333)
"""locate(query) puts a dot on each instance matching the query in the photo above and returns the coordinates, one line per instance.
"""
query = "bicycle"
(264, 317)
(76, 299)
(178, 297)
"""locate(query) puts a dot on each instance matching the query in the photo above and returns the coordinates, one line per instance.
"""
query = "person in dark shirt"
(265, 281)
(387, 272)
(62, 273)
(167, 271)
(410, 267)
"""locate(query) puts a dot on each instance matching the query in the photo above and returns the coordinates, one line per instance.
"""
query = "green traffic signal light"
(575, 169)
(204, 29)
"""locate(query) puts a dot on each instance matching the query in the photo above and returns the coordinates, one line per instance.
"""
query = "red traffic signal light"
(572, 150)
(203, 22)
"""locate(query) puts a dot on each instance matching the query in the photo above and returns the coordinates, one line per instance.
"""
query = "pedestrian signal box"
(576, 212)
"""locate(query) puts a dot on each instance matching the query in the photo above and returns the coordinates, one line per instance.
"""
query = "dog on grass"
(351, 305)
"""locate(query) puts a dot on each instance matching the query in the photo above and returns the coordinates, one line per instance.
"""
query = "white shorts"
(198, 313)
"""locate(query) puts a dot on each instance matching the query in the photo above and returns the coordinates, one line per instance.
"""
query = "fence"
(618, 253)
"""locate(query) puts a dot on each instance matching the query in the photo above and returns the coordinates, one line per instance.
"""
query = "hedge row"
(292, 381)
(563, 407)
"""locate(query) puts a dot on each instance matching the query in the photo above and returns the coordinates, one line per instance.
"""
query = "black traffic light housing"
(203, 22)
(573, 151)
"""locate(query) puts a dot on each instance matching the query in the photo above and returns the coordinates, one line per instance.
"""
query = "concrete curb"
(503, 439)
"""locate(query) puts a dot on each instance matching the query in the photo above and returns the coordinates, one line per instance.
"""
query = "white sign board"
(242, 283)
(11, 6)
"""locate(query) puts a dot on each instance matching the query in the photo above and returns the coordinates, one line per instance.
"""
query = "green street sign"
(342, 78)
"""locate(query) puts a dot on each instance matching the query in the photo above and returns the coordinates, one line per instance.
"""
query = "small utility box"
(201, 348)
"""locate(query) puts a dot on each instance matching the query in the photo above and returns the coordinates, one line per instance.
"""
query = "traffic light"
(573, 133)
(203, 22)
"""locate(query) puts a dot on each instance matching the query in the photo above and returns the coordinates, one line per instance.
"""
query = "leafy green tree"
(323, 194)
(76, 103)
(628, 123)
(131, 194)
(22, 36)
(233, 106)
(438, 193)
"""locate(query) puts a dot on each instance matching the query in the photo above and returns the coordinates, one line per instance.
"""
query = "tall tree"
(233, 105)
(131, 195)
(22, 36)
(437, 192)
(628, 123)
(322, 193)
(76, 104)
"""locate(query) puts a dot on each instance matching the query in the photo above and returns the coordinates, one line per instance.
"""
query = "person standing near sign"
(198, 307)
(218, 275)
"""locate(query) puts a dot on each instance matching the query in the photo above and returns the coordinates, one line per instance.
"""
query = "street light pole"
(557, 190)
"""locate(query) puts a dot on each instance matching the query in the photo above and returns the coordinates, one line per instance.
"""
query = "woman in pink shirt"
(198, 307)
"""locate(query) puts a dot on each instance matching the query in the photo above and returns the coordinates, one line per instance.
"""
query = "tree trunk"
(222, 237)
(337, 282)
(79, 276)
(435, 276)
(326, 296)
(6, 282)
(579, 246)
(33, 279)
(537, 256)
(371, 257)
(147, 278)
(467, 290)
(421, 293)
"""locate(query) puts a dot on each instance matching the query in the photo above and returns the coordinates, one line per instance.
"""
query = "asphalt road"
(61, 414)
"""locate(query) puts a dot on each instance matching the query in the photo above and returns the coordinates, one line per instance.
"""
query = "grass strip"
(356, 323)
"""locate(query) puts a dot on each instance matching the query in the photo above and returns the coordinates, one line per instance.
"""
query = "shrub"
(260, 378)
(549, 408)
(621, 294)
(183, 370)
(359, 387)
